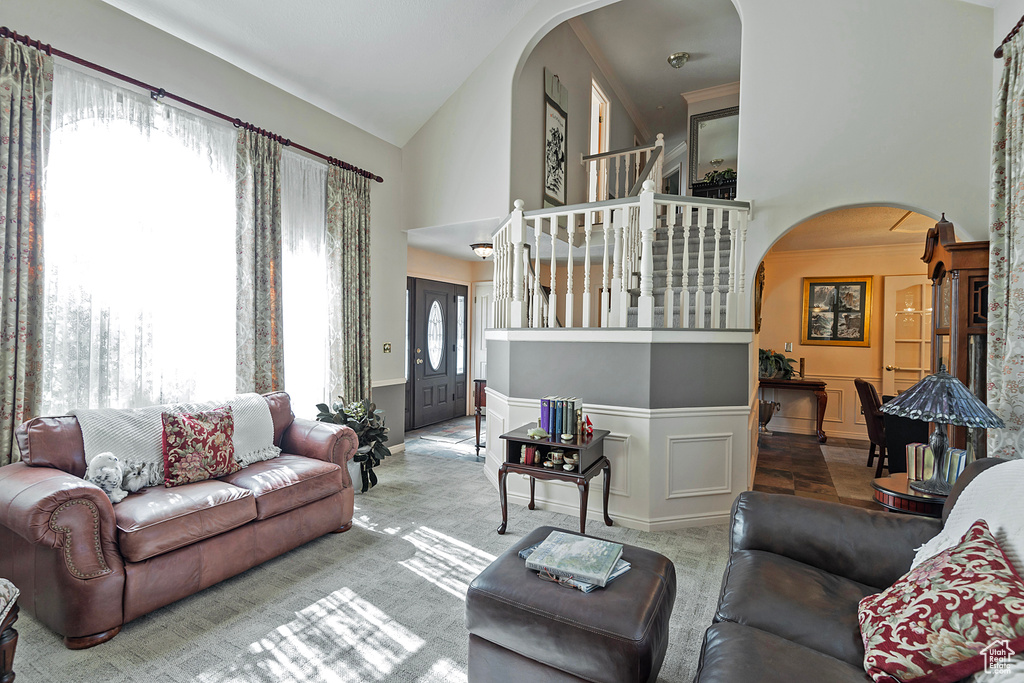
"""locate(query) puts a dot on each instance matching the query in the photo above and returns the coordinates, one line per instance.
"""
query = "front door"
(437, 382)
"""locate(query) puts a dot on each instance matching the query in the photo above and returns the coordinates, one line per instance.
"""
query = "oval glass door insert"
(435, 335)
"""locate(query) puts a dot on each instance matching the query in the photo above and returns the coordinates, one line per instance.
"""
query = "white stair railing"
(621, 173)
(629, 238)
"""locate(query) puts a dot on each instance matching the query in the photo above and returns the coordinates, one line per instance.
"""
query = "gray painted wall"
(650, 376)
(391, 399)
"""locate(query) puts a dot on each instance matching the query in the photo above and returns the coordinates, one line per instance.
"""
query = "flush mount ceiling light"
(482, 249)
(677, 59)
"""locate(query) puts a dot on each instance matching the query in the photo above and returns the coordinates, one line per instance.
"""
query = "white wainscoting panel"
(698, 465)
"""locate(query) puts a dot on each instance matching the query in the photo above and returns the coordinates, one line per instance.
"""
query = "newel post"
(645, 312)
(517, 234)
(658, 172)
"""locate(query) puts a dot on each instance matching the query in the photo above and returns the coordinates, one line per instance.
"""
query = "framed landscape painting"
(836, 311)
(556, 153)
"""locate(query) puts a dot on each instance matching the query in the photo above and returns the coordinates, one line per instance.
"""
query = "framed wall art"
(556, 153)
(836, 311)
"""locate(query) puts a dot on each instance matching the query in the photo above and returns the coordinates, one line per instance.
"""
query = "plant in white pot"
(368, 424)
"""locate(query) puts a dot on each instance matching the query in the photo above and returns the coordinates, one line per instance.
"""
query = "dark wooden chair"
(8, 636)
(876, 425)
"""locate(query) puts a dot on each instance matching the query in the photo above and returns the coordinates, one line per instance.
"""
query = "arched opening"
(623, 49)
(845, 295)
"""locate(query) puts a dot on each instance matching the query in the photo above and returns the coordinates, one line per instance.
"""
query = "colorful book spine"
(559, 416)
(912, 461)
(551, 414)
(545, 423)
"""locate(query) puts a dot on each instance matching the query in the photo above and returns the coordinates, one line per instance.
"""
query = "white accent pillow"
(996, 496)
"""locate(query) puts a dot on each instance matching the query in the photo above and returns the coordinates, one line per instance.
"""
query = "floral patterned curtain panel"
(260, 318)
(348, 271)
(26, 89)
(1006, 259)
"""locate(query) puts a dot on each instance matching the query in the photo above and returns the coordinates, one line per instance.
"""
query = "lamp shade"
(944, 399)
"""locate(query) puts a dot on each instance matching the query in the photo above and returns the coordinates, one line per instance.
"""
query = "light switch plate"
(789, 347)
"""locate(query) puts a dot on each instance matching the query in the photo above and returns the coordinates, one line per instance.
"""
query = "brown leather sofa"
(85, 567)
(798, 567)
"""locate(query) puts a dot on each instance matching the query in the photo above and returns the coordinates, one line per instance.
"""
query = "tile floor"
(793, 464)
(451, 439)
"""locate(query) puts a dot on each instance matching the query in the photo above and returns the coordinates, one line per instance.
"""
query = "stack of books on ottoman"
(576, 561)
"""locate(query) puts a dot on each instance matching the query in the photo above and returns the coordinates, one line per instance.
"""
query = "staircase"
(687, 270)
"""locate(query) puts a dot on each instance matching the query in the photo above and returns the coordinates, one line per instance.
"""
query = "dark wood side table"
(480, 401)
(590, 452)
(894, 493)
(813, 385)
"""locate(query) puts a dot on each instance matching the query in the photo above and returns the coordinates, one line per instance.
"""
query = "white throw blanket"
(136, 436)
(996, 496)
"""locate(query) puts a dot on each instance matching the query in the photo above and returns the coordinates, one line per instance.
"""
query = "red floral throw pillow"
(932, 625)
(198, 446)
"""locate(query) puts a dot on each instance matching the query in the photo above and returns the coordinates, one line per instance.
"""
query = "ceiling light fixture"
(677, 59)
(482, 249)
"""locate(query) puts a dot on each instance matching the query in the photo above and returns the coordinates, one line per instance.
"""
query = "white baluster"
(516, 233)
(700, 300)
(730, 297)
(616, 314)
(684, 284)
(716, 295)
(570, 229)
(537, 227)
(606, 304)
(618, 162)
(588, 225)
(645, 314)
(669, 299)
(552, 296)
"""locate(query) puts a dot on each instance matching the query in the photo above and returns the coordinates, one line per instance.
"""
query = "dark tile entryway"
(451, 439)
(794, 464)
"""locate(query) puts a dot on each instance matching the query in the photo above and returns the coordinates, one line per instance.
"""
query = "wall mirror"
(714, 142)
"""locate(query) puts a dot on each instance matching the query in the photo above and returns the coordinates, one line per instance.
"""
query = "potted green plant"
(368, 424)
(773, 364)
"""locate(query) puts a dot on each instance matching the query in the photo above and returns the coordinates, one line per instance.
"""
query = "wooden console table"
(816, 386)
(590, 455)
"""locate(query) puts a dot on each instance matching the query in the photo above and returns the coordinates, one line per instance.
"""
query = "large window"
(139, 251)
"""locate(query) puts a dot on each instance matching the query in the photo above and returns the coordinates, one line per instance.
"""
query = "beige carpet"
(382, 602)
(851, 477)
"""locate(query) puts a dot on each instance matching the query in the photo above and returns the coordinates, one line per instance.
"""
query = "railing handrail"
(617, 152)
(701, 201)
(646, 172)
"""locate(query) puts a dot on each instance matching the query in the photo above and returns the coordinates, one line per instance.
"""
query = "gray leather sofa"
(798, 567)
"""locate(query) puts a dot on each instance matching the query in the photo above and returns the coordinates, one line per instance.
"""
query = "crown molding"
(712, 92)
(911, 249)
(591, 46)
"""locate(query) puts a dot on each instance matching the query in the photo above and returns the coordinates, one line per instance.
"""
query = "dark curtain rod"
(1008, 38)
(157, 93)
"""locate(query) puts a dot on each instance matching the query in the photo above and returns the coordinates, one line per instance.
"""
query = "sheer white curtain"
(140, 251)
(303, 206)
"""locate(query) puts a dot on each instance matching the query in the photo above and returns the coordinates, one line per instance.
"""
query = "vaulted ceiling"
(383, 65)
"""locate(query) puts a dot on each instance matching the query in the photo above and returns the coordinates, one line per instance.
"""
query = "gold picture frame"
(836, 311)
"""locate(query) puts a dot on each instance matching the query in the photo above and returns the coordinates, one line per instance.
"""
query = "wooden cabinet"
(959, 275)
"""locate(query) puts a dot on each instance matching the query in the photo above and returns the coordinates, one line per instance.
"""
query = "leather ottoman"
(524, 628)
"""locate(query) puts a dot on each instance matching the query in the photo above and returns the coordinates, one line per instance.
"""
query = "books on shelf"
(956, 461)
(590, 560)
(561, 415)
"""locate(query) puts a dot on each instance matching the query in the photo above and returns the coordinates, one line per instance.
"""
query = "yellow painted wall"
(836, 365)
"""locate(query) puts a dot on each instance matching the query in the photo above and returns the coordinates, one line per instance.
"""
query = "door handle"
(890, 368)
